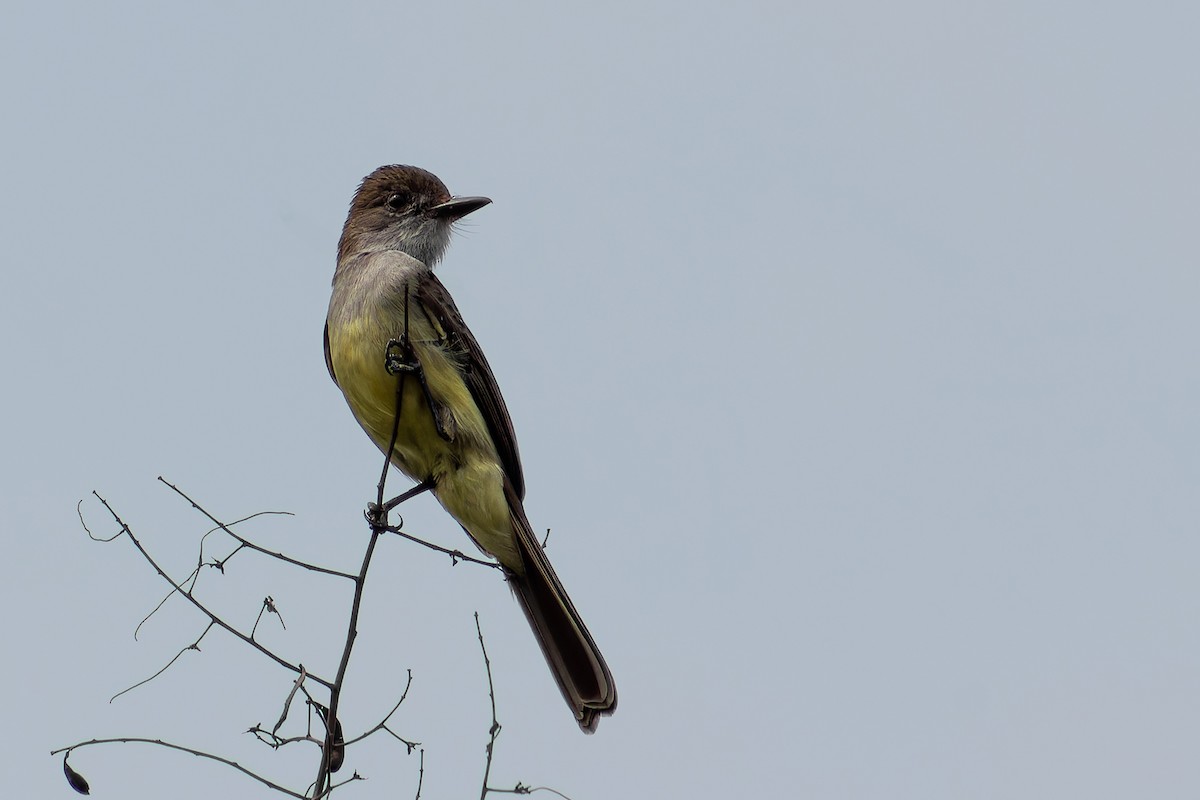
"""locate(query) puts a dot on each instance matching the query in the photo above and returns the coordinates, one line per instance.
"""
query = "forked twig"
(187, 594)
(246, 543)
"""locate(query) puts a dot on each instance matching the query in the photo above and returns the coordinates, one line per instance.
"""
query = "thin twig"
(198, 753)
(191, 599)
(335, 689)
(495, 729)
(225, 527)
(521, 788)
(193, 646)
(287, 704)
(92, 536)
(190, 579)
(251, 545)
(382, 726)
(455, 555)
(329, 789)
(275, 741)
(268, 606)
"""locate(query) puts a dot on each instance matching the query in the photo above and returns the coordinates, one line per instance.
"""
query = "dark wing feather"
(477, 374)
(328, 357)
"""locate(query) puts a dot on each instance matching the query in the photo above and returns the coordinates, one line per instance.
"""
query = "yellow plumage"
(470, 483)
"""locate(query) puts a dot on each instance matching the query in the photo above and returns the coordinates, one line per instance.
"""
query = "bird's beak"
(458, 207)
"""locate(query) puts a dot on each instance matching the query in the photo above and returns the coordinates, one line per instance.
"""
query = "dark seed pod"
(77, 781)
(337, 747)
(335, 741)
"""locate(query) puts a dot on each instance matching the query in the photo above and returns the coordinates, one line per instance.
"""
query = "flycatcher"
(391, 320)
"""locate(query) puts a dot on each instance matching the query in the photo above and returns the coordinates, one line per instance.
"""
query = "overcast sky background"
(852, 352)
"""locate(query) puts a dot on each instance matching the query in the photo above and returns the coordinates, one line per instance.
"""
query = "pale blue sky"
(851, 351)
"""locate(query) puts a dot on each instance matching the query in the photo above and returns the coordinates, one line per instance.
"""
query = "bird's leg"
(420, 488)
(377, 514)
(400, 357)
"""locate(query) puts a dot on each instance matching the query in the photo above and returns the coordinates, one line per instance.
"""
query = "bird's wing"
(478, 376)
(328, 357)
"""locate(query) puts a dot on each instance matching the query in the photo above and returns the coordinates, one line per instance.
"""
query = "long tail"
(582, 676)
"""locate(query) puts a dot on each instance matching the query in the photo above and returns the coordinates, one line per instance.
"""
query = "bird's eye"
(397, 201)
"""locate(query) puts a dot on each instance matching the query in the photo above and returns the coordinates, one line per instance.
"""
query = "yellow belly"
(465, 466)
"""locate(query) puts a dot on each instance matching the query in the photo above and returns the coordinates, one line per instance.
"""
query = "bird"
(391, 321)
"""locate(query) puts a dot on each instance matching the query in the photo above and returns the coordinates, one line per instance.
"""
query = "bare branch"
(92, 536)
(190, 579)
(202, 608)
(274, 741)
(322, 783)
(251, 545)
(328, 791)
(382, 726)
(494, 731)
(287, 704)
(198, 753)
(193, 646)
(521, 788)
(455, 555)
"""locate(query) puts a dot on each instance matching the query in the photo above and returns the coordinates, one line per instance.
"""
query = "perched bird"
(390, 319)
